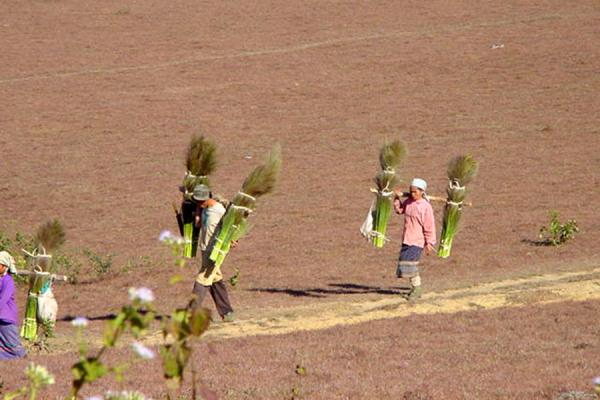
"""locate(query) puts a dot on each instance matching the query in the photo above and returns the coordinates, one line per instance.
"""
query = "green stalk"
(461, 170)
(259, 182)
(383, 212)
(451, 218)
(236, 232)
(29, 328)
(231, 222)
(188, 230)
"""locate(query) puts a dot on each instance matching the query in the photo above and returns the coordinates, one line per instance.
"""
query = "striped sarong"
(10, 343)
(408, 263)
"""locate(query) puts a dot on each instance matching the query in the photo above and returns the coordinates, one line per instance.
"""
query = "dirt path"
(544, 289)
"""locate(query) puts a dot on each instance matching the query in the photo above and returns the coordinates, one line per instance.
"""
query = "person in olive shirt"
(209, 279)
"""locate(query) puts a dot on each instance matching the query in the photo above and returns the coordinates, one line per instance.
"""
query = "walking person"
(10, 342)
(419, 234)
(209, 279)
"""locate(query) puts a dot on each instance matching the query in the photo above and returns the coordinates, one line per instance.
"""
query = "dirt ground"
(98, 101)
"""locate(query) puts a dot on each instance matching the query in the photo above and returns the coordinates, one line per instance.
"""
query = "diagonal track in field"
(539, 290)
(299, 47)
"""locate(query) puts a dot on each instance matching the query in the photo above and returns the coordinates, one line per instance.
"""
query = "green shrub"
(557, 232)
(66, 265)
(101, 265)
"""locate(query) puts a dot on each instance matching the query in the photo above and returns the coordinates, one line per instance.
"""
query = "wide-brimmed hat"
(201, 193)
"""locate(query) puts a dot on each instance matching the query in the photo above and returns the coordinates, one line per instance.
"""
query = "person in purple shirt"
(10, 343)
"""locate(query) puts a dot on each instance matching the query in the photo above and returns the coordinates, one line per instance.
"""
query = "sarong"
(10, 342)
(408, 263)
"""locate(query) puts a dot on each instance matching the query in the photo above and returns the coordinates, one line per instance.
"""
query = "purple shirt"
(8, 307)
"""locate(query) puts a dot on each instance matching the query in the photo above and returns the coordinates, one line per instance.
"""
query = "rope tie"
(245, 209)
(454, 184)
(189, 174)
(246, 195)
(385, 192)
(379, 235)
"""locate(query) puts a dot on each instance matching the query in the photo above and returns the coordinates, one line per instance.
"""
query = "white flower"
(94, 398)
(143, 351)
(125, 396)
(142, 294)
(80, 322)
(39, 374)
(166, 235)
(596, 381)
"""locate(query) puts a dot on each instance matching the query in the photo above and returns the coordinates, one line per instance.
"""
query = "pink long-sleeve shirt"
(419, 224)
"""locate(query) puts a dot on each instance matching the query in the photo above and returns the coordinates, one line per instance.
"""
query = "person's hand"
(397, 207)
(429, 248)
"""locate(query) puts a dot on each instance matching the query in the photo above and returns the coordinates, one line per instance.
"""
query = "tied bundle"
(234, 223)
(461, 170)
(200, 162)
(390, 156)
(49, 237)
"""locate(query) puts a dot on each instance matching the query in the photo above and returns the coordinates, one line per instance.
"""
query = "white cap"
(419, 183)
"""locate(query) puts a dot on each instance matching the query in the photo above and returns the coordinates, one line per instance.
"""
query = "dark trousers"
(218, 291)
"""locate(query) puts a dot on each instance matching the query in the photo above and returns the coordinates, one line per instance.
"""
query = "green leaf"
(199, 321)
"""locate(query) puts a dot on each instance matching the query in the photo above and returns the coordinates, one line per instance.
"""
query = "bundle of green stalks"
(49, 237)
(461, 171)
(234, 224)
(200, 162)
(390, 156)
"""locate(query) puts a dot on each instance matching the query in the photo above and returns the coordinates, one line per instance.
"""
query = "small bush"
(558, 233)
(66, 265)
(100, 265)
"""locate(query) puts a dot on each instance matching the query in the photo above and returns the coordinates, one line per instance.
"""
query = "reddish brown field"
(99, 99)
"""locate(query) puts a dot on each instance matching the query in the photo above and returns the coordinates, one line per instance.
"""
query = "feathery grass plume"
(391, 155)
(50, 236)
(461, 171)
(234, 225)
(200, 161)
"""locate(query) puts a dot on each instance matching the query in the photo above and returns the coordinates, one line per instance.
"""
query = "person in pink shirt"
(419, 234)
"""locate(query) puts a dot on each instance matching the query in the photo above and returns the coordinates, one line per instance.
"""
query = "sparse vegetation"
(101, 265)
(556, 232)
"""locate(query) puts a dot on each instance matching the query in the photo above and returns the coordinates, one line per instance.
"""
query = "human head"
(7, 263)
(418, 186)
(201, 193)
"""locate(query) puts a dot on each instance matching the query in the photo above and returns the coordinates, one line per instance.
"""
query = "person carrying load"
(419, 234)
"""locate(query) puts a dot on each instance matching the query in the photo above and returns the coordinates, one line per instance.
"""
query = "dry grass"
(50, 235)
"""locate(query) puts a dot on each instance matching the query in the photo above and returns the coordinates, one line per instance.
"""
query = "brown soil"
(99, 100)
(526, 353)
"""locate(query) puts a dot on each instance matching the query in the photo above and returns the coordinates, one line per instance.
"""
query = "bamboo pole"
(400, 193)
(52, 276)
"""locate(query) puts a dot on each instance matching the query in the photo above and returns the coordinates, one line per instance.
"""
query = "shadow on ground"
(334, 289)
